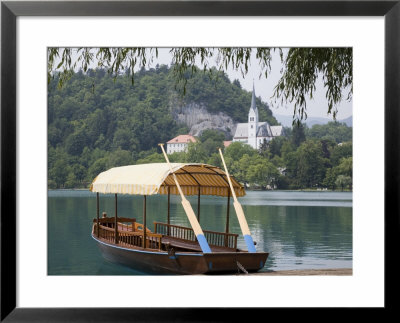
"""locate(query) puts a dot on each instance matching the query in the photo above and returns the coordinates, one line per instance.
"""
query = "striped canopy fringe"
(149, 179)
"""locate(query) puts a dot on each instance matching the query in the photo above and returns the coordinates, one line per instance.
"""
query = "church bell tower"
(253, 122)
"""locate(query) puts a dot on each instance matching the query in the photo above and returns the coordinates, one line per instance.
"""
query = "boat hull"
(189, 263)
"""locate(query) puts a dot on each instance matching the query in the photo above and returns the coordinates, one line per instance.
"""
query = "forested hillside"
(96, 122)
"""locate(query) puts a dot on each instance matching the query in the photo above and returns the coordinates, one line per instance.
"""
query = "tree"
(71, 181)
(122, 139)
(343, 181)
(298, 134)
(153, 158)
(100, 165)
(275, 146)
(330, 178)
(346, 167)
(311, 164)
(344, 170)
(301, 68)
(341, 151)
(211, 140)
(196, 153)
(75, 143)
(336, 131)
(237, 149)
(59, 172)
(212, 134)
(263, 150)
(119, 157)
(263, 173)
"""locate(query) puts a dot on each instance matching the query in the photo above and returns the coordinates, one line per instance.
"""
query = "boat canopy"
(156, 178)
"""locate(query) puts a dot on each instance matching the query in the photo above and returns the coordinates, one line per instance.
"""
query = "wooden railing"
(128, 238)
(110, 223)
(219, 239)
(175, 231)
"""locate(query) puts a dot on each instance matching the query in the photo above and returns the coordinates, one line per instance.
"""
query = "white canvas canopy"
(156, 178)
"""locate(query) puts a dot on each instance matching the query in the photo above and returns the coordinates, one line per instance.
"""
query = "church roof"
(276, 130)
(264, 130)
(241, 130)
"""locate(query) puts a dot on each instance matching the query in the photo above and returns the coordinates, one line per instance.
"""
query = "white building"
(254, 132)
(179, 143)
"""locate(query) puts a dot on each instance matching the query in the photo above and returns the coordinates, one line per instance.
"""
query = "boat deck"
(164, 237)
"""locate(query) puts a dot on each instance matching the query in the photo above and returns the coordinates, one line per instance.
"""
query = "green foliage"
(298, 134)
(334, 131)
(59, 172)
(275, 146)
(153, 158)
(330, 178)
(343, 181)
(92, 128)
(263, 173)
(301, 68)
(310, 165)
(338, 152)
(114, 124)
(346, 167)
(211, 140)
(196, 153)
(237, 149)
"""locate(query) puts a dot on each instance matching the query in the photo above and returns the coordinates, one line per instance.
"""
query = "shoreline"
(305, 272)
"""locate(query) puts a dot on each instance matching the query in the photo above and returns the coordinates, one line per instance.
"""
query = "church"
(254, 132)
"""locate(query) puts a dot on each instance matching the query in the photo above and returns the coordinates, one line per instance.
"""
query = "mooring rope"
(240, 266)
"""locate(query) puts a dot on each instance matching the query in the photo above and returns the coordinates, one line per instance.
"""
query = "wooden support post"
(144, 221)
(198, 206)
(168, 214)
(133, 222)
(116, 219)
(227, 218)
(97, 212)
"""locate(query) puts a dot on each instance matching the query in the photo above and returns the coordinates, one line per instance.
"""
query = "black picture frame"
(10, 10)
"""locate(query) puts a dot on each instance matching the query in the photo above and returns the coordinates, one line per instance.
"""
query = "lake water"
(300, 230)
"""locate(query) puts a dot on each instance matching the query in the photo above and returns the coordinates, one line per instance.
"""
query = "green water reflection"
(300, 230)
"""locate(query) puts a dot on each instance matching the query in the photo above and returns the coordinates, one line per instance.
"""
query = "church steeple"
(252, 125)
(253, 99)
(253, 106)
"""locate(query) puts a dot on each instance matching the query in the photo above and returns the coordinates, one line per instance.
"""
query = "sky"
(264, 87)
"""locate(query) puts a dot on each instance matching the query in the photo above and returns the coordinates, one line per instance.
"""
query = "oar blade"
(244, 227)
(196, 226)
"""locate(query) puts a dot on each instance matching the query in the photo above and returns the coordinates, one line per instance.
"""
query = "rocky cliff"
(197, 119)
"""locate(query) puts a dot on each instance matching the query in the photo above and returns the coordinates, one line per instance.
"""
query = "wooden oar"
(239, 212)
(189, 211)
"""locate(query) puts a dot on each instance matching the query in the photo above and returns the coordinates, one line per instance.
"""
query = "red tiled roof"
(182, 139)
(227, 143)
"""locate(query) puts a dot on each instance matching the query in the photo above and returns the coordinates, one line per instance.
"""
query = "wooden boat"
(173, 249)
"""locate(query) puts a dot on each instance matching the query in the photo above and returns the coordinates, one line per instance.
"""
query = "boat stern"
(235, 261)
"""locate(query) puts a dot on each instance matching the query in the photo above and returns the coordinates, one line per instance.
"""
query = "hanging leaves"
(301, 68)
